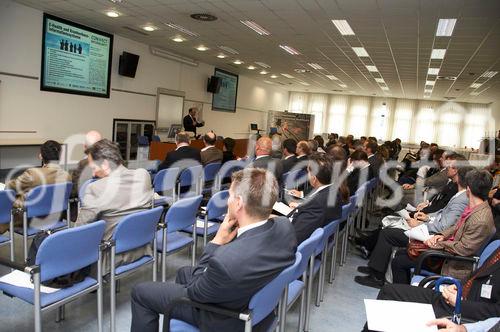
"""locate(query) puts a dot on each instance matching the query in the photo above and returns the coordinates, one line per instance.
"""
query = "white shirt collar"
(289, 156)
(319, 189)
(181, 145)
(207, 147)
(266, 155)
(242, 230)
(370, 155)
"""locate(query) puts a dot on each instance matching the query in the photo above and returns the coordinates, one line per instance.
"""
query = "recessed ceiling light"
(228, 49)
(379, 80)
(112, 13)
(433, 71)
(475, 85)
(430, 82)
(372, 68)
(315, 66)
(181, 29)
(202, 48)
(445, 27)
(221, 56)
(274, 76)
(255, 27)
(204, 17)
(251, 67)
(237, 62)
(343, 27)
(263, 72)
(262, 64)
(287, 75)
(342, 85)
(360, 51)
(149, 28)
(475, 93)
(489, 74)
(333, 78)
(438, 53)
(385, 88)
(289, 50)
(178, 39)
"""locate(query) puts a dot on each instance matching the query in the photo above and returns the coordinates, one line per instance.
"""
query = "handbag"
(416, 247)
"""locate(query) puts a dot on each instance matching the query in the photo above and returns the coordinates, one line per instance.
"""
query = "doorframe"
(115, 120)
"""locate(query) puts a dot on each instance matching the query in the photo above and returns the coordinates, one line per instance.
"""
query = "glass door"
(126, 134)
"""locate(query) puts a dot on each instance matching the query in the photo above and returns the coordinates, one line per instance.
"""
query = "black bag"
(64, 281)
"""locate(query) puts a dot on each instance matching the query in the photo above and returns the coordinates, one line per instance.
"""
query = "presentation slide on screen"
(226, 98)
(75, 59)
(291, 125)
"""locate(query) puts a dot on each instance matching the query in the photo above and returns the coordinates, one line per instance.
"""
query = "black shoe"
(365, 269)
(365, 253)
(369, 281)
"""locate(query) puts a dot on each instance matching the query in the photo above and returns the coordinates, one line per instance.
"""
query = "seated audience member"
(323, 204)
(264, 160)
(439, 179)
(321, 144)
(248, 251)
(210, 154)
(49, 173)
(83, 172)
(390, 237)
(470, 233)
(474, 306)
(118, 192)
(227, 149)
(289, 158)
(495, 208)
(183, 156)
(359, 170)
(313, 144)
(396, 149)
(276, 147)
(303, 151)
(375, 160)
(487, 325)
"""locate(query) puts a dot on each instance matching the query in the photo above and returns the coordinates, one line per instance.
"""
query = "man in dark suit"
(263, 158)
(374, 158)
(184, 156)
(189, 122)
(248, 251)
(359, 170)
(290, 159)
(210, 154)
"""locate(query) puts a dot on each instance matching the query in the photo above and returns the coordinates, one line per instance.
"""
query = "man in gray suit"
(210, 154)
(118, 192)
(248, 251)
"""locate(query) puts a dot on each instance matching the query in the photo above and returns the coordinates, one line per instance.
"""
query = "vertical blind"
(446, 123)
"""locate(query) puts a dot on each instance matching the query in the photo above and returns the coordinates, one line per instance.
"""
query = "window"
(424, 127)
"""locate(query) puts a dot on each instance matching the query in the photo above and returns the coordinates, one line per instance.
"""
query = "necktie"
(495, 257)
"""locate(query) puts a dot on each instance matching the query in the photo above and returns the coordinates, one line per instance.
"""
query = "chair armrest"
(442, 254)
(429, 279)
(244, 316)
(18, 266)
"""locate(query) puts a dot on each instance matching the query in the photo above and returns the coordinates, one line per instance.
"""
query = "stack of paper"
(201, 224)
(420, 233)
(410, 208)
(282, 208)
(403, 213)
(22, 279)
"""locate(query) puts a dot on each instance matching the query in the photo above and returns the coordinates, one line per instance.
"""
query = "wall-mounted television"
(225, 99)
(75, 58)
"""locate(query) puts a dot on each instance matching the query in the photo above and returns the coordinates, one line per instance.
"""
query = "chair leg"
(11, 236)
(37, 303)
(283, 307)
(318, 287)
(60, 314)
(164, 255)
(155, 256)
(302, 303)
(333, 263)
(112, 282)
(193, 247)
(25, 236)
(99, 292)
(309, 293)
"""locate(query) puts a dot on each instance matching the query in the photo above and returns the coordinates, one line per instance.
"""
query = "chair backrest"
(83, 187)
(69, 250)
(165, 179)
(290, 179)
(7, 198)
(155, 138)
(229, 167)
(266, 299)
(210, 171)
(136, 229)
(182, 213)
(360, 193)
(190, 176)
(217, 205)
(143, 141)
(346, 209)
(48, 198)
(490, 248)
(307, 248)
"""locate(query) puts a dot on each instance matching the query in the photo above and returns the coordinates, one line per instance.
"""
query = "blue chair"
(59, 254)
(43, 201)
(155, 138)
(143, 141)
(7, 198)
(133, 231)
(299, 288)
(188, 179)
(333, 242)
(163, 183)
(330, 235)
(210, 172)
(225, 172)
(170, 239)
(262, 303)
(81, 190)
(352, 213)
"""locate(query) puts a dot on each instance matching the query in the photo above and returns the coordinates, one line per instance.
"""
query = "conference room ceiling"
(398, 36)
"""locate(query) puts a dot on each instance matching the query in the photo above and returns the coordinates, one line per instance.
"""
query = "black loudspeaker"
(213, 85)
(128, 64)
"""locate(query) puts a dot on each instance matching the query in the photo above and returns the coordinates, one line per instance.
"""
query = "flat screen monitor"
(225, 99)
(75, 58)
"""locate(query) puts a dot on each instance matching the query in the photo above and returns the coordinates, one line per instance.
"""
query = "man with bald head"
(83, 172)
(263, 159)
(210, 154)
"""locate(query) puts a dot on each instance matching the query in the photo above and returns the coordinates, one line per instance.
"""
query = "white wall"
(56, 115)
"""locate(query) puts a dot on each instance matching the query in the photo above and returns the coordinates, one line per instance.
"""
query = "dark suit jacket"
(356, 175)
(230, 275)
(441, 199)
(211, 155)
(227, 155)
(316, 211)
(183, 157)
(189, 125)
(271, 164)
(287, 164)
(376, 163)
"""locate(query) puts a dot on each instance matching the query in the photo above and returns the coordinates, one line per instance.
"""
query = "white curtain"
(358, 115)
(337, 114)
(402, 123)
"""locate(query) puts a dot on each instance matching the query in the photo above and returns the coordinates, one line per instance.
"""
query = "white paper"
(22, 279)
(395, 316)
(420, 233)
(201, 224)
(404, 214)
(2, 186)
(410, 208)
(282, 208)
(289, 192)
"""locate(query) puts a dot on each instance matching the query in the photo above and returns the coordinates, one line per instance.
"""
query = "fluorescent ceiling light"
(287, 75)
(263, 72)
(315, 66)
(445, 27)
(112, 13)
(343, 27)
(274, 76)
(257, 28)
(237, 62)
(489, 74)
(304, 83)
(262, 64)
(433, 71)
(430, 82)
(251, 67)
(181, 29)
(360, 51)
(333, 78)
(202, 48)
(427, 96)
(178, 39)
(475, 85)
(372, 68)
(289, 50)
(149, 28)
(342, 85)
(474, 93)
(385, 88)
(172, 56)
(228, 49)
(379, 80)
(221, 56)
(438, 53)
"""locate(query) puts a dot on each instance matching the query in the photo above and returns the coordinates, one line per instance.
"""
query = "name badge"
(486, 291)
